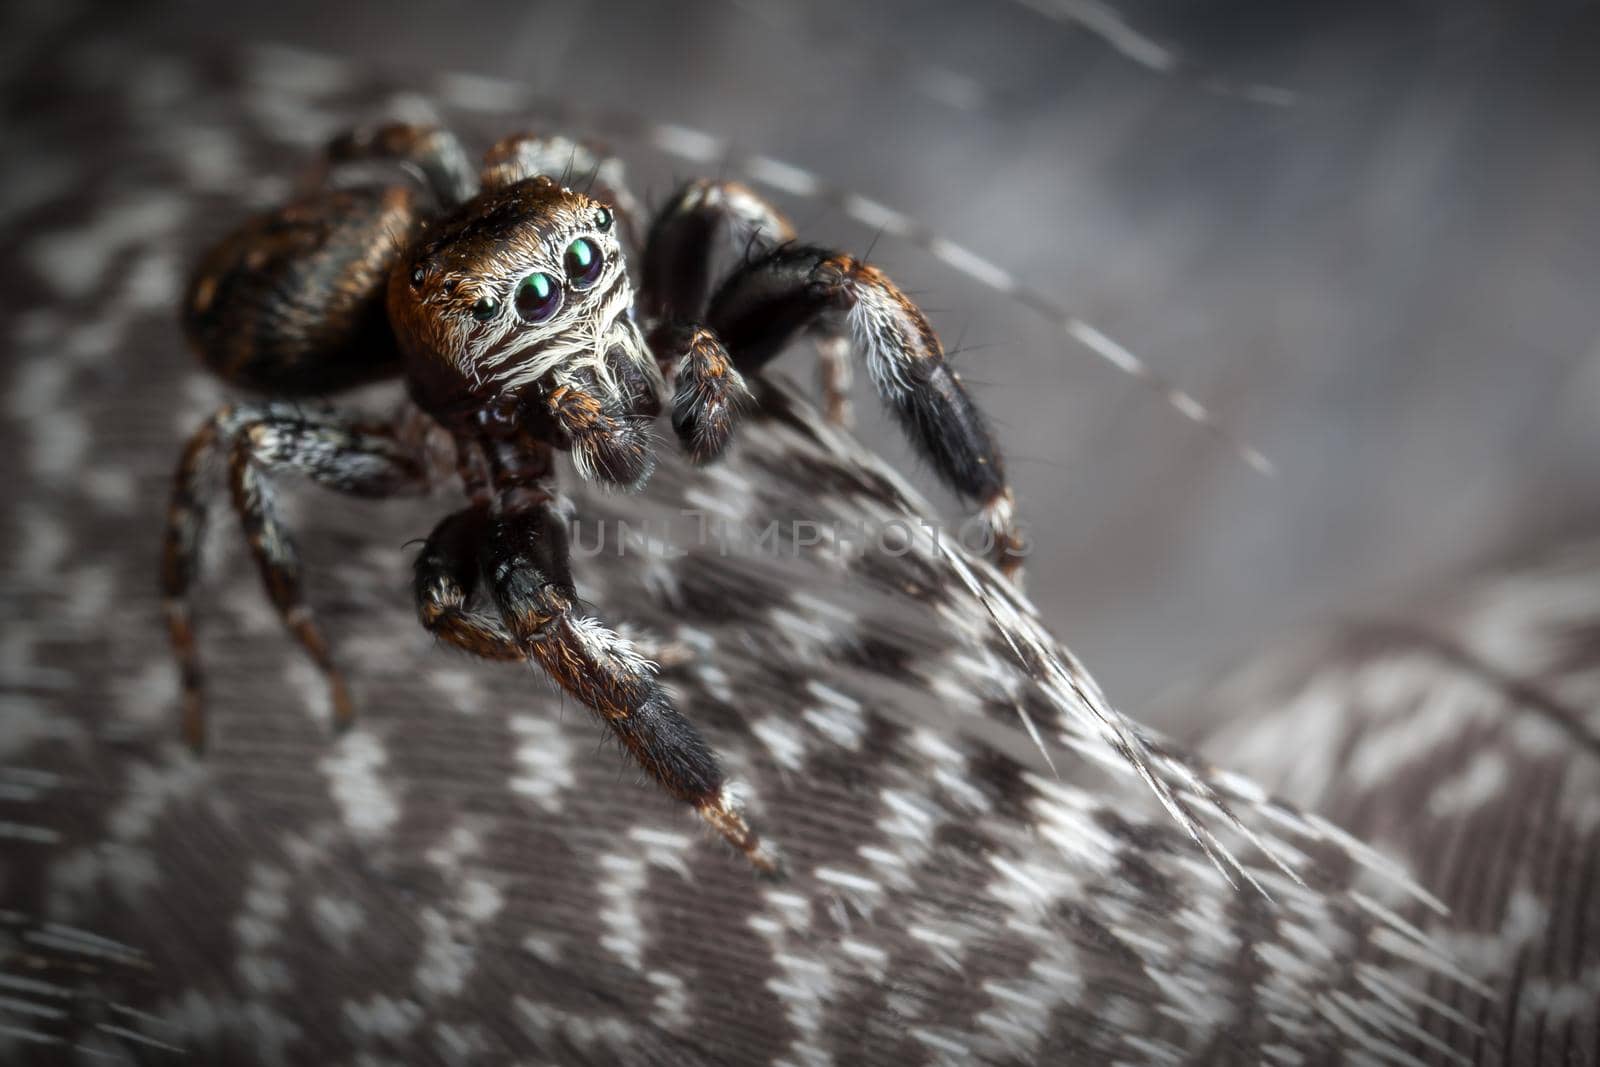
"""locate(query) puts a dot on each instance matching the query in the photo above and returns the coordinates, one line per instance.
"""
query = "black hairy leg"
(342, 452)
(764, 304)
(786, 289)
(446, 578)
(434, 154)
(527, 561)
(523, 557)
(678, 255)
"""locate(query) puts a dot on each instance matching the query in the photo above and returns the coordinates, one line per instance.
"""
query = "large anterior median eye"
(538, 297)
(583, 263)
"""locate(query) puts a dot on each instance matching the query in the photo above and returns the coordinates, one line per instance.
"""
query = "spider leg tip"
(769, 866)
(194, 724)
(725, 813)
(344, 708)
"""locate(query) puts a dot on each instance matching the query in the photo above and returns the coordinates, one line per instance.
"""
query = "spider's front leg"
(524, 557)
(763, 305)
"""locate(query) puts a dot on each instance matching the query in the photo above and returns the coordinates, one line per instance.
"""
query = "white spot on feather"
(369, 807)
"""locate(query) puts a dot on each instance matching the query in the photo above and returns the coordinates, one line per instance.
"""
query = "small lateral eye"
(538, 297)
(602, 218)
(486, 309)
(583, 263)
(418, 275)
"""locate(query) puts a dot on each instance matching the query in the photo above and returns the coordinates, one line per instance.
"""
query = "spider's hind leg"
(762, 306)
(337, 451)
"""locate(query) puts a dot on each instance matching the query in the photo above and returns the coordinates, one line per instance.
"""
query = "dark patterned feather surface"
(985, 861)
(1462, 735)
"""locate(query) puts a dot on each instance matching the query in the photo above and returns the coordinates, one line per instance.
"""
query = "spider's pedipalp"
(607, 442)
(708, 391)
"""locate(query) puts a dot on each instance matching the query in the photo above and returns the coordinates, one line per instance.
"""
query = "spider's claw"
(726, 816)
(344, 708)
(181, 631)
(1008, 546)
(194, 723)
(833, 364)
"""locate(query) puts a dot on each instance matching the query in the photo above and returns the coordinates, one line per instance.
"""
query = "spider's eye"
(486, 309)
(538, 297)
(583, 263)
(602, 218)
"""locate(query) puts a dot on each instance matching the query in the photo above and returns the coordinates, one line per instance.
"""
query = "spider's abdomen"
(292, 302)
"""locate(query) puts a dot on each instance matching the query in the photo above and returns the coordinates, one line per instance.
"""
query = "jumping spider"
(504, 300)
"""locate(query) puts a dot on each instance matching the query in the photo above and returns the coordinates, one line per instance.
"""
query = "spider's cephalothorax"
(518, 305)
(504, 301)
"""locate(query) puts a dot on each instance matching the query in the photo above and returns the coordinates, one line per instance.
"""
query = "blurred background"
(1365, 234)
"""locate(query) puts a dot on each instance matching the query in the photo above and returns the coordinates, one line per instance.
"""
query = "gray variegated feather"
(464, 878)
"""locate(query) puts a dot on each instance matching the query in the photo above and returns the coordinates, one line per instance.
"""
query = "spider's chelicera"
(504, 301)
